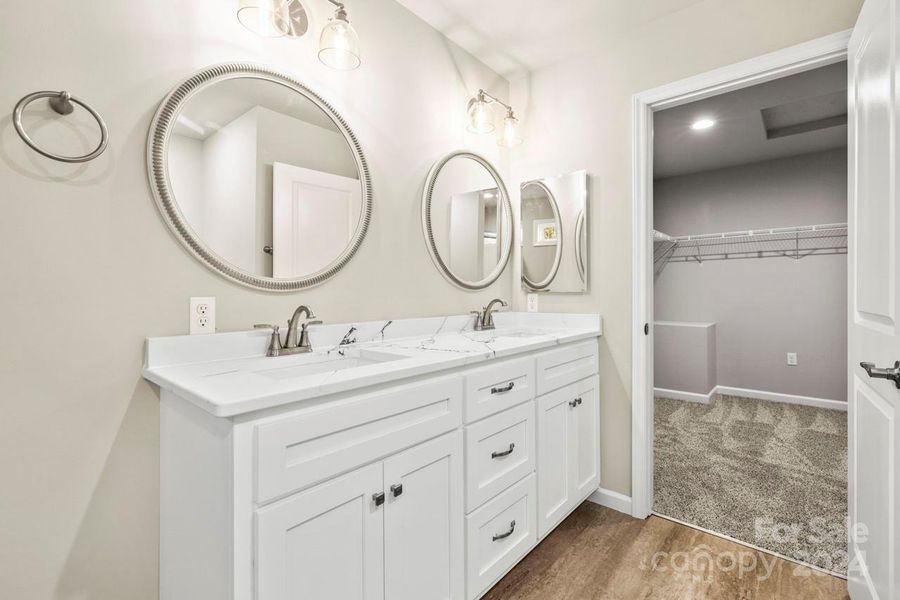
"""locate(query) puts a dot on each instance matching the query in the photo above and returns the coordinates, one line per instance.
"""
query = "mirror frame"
(158, 171)
(557, 259)
(427, 230)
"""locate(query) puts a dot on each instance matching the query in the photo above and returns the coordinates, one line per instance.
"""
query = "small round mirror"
(541, 235)
(467, 220)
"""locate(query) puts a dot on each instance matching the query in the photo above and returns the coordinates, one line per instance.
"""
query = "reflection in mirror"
(554, 233)
(265, 178)
(466, 216)
(541, 236)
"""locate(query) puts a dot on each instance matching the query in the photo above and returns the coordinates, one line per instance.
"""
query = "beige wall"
(578, 116)
(89, 269)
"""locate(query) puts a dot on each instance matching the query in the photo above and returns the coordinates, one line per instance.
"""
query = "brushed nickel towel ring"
(61, 102)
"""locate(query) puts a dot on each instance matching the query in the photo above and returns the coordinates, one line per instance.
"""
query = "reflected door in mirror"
(313, 219)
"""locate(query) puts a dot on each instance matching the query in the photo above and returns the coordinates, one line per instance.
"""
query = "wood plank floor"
(599, 554)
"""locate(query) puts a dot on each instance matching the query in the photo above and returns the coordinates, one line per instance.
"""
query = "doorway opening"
(741, 207)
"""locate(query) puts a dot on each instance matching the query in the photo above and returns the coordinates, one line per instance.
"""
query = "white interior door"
(423, 521)
(314, 215)
(874, 454)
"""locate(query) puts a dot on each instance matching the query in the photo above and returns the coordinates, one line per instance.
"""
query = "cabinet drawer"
(499, 452)
(498, 535)
(499, 386)
(558, 368)
(295, 452)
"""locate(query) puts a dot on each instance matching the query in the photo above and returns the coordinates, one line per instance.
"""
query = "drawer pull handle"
(502, 536)
(397, 489)
(505, 452)
(506, 388)
(378, 498)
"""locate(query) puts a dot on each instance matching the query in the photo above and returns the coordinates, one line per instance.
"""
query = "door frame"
(782, 63)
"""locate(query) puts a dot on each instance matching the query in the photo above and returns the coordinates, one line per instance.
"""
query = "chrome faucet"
(297, 339)
(484, 319)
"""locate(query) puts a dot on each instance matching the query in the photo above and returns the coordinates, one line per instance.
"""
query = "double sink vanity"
(415, 459)
(411, 459)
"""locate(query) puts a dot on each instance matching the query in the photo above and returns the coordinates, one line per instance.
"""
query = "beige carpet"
(770, 474)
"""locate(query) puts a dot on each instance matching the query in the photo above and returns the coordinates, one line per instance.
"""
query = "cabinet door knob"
(501, 536)
(378, 498)
(504, 453)
(502, 390)
(573, 403)
(397, 489)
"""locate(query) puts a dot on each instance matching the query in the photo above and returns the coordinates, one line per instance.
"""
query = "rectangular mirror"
(553, 233)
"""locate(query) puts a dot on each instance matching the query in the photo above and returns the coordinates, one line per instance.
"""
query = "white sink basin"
(315, 364)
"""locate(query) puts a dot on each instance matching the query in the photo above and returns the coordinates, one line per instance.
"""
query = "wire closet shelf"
(789, 242)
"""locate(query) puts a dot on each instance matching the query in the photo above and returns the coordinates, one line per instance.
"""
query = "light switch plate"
(792, 359)
(203, 315)
(532, 302)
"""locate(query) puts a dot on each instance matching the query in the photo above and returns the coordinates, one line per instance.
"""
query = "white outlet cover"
(202, 315)
(532, 302)
(792, 359)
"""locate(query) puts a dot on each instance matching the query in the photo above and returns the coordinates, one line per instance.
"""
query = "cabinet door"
(423, 520)
(586, 447)
(555, 467)
(326, 542)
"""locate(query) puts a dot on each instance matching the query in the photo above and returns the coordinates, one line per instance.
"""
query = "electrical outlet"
(792, 359)
(532, 302)
(203, 315)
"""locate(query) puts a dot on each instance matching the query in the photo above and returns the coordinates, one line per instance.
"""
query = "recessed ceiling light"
(702, 124)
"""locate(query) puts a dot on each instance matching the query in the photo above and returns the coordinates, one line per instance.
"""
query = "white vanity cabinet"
(430, 485)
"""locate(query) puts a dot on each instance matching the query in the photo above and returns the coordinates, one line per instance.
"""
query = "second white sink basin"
(315, 364)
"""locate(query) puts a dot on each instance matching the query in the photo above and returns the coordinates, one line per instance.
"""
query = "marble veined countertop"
(228, 374)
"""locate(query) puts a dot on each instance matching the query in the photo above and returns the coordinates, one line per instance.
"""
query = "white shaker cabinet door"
(587, 444)
(424, 524)
(555, 472)
(326, 542)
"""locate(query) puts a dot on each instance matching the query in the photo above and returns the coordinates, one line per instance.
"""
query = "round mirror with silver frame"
(542, 235)
(227, 152)
(467, 220)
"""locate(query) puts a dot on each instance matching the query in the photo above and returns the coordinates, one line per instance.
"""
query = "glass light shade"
(339, 44)
(267, 18)
(481, 116)
(509, 135)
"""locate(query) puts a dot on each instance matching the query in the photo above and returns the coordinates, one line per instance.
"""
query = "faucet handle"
(275, 346)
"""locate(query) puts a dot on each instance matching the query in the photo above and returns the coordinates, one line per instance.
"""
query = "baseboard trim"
(785, 398)
(686, 396)
(611, 499)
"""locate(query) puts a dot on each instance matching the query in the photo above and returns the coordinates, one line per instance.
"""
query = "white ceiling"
(739, 136)
(516, 36)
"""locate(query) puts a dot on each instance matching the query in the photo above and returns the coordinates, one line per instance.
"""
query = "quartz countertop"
(228, 374)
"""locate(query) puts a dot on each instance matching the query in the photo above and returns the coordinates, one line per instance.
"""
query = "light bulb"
(266, 18)
(509, 136)
(702, 124)
(339, 44)
(481, 117)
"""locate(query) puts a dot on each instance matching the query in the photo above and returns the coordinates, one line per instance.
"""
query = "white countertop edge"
(441, 360)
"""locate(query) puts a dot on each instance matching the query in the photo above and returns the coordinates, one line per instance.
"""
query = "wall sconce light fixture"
(481, 119)
(338, 42)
